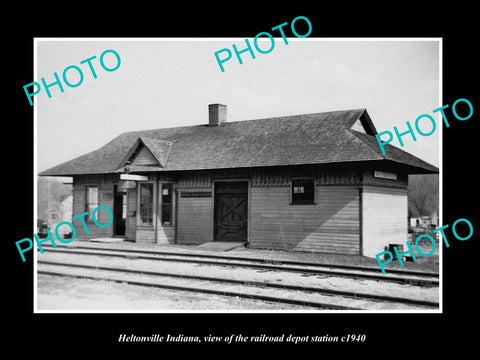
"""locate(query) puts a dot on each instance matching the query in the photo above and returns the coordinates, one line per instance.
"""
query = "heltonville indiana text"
(158, 338)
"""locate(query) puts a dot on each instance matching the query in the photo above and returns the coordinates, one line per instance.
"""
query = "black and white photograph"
(268, 182)
(238, 190)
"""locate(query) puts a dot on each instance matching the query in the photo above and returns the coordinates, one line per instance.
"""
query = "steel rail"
(219, 291)
(363, 273)
(266, 261)
(309, 289)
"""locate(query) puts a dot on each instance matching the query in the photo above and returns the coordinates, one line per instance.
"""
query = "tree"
(423, 194)
(50, 193)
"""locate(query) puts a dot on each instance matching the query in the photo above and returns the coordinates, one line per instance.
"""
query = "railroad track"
(356, 272)
(311, 296)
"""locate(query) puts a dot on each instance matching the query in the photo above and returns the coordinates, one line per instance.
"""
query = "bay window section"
(167, 200)
(146, 203)
(91, 201)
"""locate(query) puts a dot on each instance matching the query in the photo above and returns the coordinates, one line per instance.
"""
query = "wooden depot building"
(313, 182)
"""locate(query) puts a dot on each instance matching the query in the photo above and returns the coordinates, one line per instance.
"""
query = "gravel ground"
(69, 294)
(48, 295)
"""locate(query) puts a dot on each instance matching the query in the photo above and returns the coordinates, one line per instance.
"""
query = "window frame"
(140, 217)
(55, 215)
(88, 217)
(294, 201)
(170, 204)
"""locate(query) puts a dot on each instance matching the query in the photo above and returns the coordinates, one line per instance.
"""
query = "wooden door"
(119, 212)
(231, 211)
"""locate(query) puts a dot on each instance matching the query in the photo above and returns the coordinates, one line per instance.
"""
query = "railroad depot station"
(313, 182)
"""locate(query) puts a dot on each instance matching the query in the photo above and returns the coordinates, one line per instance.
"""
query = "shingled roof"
(319, 138)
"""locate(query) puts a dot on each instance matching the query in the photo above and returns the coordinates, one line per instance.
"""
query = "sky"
(164, 83)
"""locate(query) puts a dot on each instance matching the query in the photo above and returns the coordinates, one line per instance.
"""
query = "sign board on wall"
(191, 194)
(133, 177)
(384, 175)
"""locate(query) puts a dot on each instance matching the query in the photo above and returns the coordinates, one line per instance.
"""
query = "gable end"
(364, 124)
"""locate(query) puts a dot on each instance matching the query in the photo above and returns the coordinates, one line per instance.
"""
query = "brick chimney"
(217, 114)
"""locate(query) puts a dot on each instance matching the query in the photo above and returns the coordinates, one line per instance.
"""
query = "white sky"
(169, 83)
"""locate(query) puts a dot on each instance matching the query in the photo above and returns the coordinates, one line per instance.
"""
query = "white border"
(35, 177)
(35, 144)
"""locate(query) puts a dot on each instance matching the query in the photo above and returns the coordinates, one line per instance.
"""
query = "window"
(54, 215)
(167, 196)
(91, 202)
(146, 203)
(303, 191)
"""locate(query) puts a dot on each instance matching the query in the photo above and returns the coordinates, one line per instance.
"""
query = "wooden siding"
(145, 234)
(165, 235)
(144, 157)
(195, 220)
(331, 226)
(105, 198)
(384, 212)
